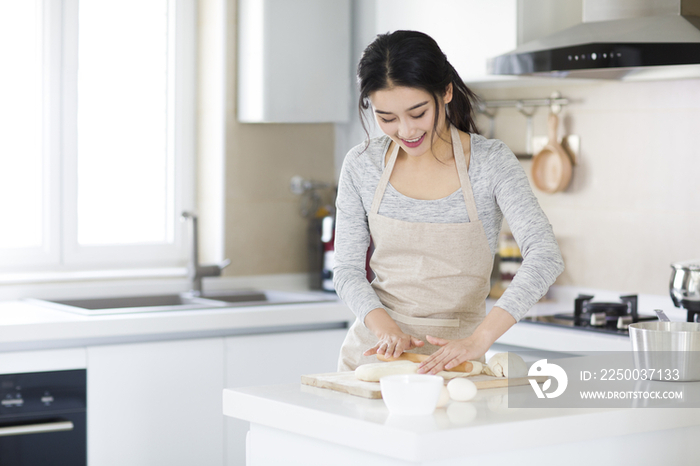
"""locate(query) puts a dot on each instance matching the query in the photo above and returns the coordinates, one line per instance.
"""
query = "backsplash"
(633, 206)
(265, 233)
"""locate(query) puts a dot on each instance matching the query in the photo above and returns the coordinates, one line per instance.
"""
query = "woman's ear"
(447, 97)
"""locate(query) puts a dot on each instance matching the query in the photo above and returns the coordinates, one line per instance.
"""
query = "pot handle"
(675, 301)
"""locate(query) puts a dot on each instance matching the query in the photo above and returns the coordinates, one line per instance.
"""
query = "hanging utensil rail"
(555, 102)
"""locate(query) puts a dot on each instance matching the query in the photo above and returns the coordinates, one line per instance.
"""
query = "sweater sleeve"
(352, 241)
(542, 260)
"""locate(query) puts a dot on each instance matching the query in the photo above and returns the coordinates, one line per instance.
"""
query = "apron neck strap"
(462, 160)
(384, 180)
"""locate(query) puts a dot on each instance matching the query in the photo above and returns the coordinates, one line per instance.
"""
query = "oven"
(43, 418)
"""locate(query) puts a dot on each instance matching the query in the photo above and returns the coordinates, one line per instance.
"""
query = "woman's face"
(407, 116)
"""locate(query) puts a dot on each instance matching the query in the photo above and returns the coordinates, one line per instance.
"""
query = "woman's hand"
(391, 340)
(455, 352)
(452, 354)
(392, 344)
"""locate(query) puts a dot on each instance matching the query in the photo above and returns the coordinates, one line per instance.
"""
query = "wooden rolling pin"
(413, 357)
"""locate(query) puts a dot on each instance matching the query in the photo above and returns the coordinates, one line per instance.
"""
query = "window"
(96, 132)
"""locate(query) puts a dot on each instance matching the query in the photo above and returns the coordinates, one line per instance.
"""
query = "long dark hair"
(414, 59)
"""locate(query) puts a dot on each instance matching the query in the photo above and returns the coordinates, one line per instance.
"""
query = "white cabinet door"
(274, 359)
(156, 403)
(294, 62)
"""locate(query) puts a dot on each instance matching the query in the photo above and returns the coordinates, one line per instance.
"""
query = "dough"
(461, 389)
(501, 367)
(486, 370)
(477, 368)
(444, 398)
(449, 375)
(374, 371)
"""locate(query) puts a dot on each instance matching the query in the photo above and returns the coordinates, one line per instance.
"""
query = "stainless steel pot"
(667, 346)
(684, 287)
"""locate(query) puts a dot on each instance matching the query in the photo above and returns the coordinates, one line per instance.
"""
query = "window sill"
(90, 275)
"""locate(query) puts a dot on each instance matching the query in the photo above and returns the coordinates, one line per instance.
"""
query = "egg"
(461, 389)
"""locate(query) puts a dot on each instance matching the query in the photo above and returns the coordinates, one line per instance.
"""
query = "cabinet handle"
(53, 426)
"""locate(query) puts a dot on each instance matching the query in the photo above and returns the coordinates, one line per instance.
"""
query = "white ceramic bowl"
(411, 394)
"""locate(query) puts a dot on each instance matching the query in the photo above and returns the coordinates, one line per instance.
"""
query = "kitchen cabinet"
(274, 359)
(294, 61)
(156, 403)
(160, 402)
(65, 359)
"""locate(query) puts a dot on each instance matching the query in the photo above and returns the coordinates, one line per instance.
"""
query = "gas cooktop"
(592, 316)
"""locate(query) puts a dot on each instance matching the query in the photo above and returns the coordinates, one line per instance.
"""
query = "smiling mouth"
(413, 142)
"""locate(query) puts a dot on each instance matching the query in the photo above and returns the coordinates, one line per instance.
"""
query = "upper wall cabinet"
(468, 31)
(294, 61)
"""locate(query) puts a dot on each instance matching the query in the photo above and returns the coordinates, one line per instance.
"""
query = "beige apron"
(432, 278)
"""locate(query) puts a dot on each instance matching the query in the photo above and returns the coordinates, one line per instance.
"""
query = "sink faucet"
(196, 272)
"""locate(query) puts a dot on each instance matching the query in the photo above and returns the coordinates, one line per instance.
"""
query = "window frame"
(60, 250)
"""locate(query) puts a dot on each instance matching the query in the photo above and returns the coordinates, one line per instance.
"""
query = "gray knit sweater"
(500, 187)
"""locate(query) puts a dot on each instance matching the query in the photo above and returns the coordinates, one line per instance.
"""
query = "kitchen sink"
(126, 302)
(179, 302)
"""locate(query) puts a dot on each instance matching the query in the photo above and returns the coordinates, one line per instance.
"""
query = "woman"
(432, 194)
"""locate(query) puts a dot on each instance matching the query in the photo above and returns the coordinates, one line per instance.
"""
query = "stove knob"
(598, 319)
(623, 322)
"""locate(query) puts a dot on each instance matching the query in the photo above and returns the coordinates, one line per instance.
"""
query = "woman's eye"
(419, 116)
(387, 121)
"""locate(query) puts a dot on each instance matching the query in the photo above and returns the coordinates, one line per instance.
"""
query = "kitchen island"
(295, 424)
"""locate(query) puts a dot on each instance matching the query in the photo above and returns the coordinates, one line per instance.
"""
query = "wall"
(633, 206)
(265, 234)
(631, 210)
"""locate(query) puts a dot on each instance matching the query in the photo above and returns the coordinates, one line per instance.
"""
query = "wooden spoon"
(551, 167)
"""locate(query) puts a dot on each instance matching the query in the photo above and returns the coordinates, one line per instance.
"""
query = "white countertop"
(460, 430)
(27, 326)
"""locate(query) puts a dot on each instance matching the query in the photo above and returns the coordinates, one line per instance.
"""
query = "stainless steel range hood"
(618, 39)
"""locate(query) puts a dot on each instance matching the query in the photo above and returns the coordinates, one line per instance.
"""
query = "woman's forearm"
(379, 322)
(496, 323)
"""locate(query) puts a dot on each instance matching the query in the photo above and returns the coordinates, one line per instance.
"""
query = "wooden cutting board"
(346, 382)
